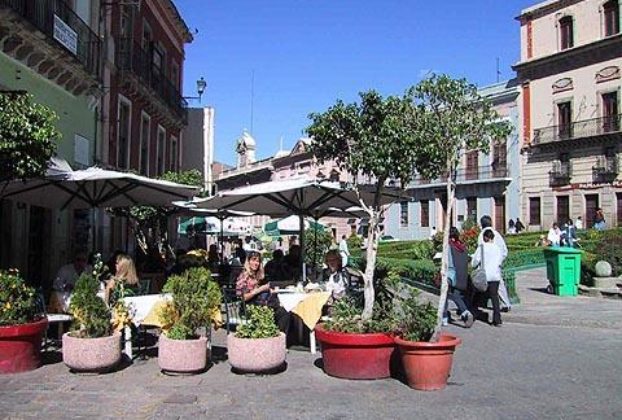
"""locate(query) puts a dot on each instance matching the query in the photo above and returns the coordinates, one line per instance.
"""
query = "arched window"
(566, 34)
(611, 17)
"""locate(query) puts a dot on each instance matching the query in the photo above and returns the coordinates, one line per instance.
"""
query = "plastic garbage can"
(563, 269)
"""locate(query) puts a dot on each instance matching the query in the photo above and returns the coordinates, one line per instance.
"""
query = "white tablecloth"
(289, 300)
(140, 306)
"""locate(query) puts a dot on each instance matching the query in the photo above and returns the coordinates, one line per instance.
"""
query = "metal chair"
(58, 319)
(234, 309)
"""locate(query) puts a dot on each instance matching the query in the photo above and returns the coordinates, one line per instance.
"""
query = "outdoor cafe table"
(308, 306)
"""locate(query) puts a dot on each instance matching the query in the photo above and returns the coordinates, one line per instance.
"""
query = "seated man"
(278, 271)
(65, 281)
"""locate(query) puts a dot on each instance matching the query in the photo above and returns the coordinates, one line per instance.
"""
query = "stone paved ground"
(534, 367)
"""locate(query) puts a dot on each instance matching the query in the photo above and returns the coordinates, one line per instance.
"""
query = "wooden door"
(472, 165)
(619, 201)
(591, 204)
(564, 120)
(500, 214)
(563, 209)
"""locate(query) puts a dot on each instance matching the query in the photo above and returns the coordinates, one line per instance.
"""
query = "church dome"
(247, 141)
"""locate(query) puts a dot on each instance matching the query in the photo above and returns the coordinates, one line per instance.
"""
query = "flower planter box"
(356, 356)
(92, 354)
(20, 346)
(256, 355)
(182, 356)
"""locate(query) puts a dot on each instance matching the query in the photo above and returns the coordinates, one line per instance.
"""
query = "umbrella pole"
(302, 249)
(222, 241)
(315, 249)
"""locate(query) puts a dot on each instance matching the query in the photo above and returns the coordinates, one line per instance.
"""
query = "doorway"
(591, 204)
(563, 209)
(500, 214)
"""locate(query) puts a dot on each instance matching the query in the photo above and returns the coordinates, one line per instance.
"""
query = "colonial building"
(51, 50)
(486, 184)
(198, 148)
(144, 112)
(570, 73)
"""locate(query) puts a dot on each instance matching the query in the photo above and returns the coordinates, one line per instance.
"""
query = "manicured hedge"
(419, 270)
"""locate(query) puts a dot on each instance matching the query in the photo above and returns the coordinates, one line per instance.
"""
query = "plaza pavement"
(553, 358)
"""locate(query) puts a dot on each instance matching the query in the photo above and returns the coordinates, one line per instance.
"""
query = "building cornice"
(544, 8)
(577, 57)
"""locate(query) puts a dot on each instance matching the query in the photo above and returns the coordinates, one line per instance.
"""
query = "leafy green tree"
(191, 177)
(28, 137)
(452, 118)
(374, 138)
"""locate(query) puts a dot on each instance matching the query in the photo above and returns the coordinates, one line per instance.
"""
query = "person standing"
(570, 234)
(489, 255)
(519, 225)
(457, 277)
(511, 227)
(432, 233)
(344, 251)
(486, 223)
(578, 224)
(555, 235)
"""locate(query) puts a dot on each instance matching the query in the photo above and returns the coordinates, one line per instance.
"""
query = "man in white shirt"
(486, 223)
(344, 251)
(68, 274)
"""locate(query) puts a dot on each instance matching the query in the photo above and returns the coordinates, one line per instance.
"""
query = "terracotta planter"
(92, 354)
(256, 355)
(20, 346)
(356, 356)
(427, 365)
(182, 356)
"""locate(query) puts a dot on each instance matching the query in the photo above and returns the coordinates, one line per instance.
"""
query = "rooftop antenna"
(498, 71)
(281, 143)
(252, 97)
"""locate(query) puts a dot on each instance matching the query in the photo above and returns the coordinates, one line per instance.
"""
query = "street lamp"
(201, 85)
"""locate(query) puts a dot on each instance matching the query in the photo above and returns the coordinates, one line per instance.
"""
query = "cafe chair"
(234, 309)
(53, 319)
(144, 286)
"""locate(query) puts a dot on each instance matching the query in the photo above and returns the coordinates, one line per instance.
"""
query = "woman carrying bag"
(489, 259)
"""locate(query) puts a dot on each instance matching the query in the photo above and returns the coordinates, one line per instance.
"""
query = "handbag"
(478, 278)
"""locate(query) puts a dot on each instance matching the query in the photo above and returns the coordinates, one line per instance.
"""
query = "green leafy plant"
(417, 321)
(17, 300)
(195, 302)
(28, 137)
(91, 316)
(259, 324)
(317, 243)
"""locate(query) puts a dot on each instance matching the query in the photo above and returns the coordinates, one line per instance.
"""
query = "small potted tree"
(257, 346)
(21, 327)
(195, 304)
(94, 342)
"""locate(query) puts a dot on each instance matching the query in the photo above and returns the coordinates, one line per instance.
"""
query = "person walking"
(555, 235)
(486, 223)
(344, 251)
(519, 226)
(489, 256)
(457, 277)
(511, 227)
(578, 224)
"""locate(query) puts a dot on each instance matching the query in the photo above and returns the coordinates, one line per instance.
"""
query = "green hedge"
(419, 270)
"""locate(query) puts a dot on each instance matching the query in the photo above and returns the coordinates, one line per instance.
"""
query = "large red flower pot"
(427, 365)
(356, 356)
(20, 346)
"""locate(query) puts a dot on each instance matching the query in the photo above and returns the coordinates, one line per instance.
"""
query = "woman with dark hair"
(457, 277)
(255, 290)
(489, 256)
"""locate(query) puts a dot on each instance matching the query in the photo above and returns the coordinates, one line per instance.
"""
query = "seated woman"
(124, 282)
(251, 286)
(336, 278)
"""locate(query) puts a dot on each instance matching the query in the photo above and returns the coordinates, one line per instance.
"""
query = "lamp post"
(201, 85)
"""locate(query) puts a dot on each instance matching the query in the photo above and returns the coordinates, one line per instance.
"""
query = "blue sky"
(306, 54)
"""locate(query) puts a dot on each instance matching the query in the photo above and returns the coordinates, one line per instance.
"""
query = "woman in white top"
(491, 256)
(555, 235)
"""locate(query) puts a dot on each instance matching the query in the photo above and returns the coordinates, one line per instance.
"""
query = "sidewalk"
(541, 308)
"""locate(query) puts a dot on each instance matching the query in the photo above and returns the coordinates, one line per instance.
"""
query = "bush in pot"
(195, 304)
(21, 326)
(427, 364)
(93, 343)
(257, 346)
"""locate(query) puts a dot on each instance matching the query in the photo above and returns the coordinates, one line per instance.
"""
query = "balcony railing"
(606, 169)
(579, 129)
(130, 56)
(58, 21)
(486, 173)
(560, 174)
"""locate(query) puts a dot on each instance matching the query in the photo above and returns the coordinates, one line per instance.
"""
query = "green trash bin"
(563, 269)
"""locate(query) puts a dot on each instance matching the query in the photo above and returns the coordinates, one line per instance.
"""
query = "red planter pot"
(20, 346)
(356, 356)
(427, 365)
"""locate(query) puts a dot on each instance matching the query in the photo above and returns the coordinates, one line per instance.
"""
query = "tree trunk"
(368, 277)
(445, 259)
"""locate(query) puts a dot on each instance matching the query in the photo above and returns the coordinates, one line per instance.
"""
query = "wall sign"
(65, 35)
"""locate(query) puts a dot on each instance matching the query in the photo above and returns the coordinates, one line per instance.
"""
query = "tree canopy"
(28, 137)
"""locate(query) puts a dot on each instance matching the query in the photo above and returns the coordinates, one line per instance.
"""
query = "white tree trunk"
(444, 261)
(368, 277)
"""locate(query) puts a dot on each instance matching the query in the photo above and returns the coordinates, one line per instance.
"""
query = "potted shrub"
(427, 364)
(195, 304)
(93, 343)
(257, 346)
(21, 327)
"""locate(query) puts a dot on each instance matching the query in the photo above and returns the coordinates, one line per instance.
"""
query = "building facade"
(570, 73)
(486, 184)
(198, 148)
(51, 50)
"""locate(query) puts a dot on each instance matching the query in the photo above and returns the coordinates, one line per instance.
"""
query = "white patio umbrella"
(302, 197)
(95, 187)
